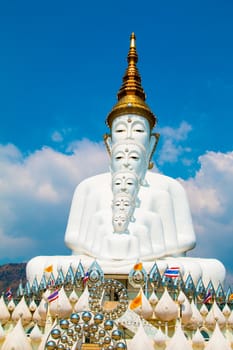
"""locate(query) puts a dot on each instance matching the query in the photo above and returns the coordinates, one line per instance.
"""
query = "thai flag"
(8, 293)
(208, 297)
(51, 283)
(86, 277)
(172, 272)
(53, 296)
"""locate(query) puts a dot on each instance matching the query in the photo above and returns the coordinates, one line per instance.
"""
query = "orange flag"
(230, 297)
(136, 302)
(49, 268)
(138, 266)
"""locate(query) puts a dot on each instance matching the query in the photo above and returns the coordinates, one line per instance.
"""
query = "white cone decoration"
(160, 340)
(32, 306)
(215, 315)
(42, 308)
(217, 341)
(17, 339)
(230, 320)
(186, 310)
(11, 305)
(140, 341)
(73, 298)
(22, 311)
(196, 319)
(2, 334)
(210, 320)
(166, 309)
(141, 306)
(36, 335)
(226, 311)
(221, 319)
(203, 310)
(147, 310)
(179, 340)
(153, 299)
(229, 336)
(4, 313)
(38, 319)
(60, 307)
(83, 302)
(198, 341)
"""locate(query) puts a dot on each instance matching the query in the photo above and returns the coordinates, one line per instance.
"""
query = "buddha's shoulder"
(162, 180)
(97, 180)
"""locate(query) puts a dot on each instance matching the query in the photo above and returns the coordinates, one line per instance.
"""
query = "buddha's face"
(122, 210)
(125, 181)
(129, 156)
(120, 223)
(121, 203)
(131, 127)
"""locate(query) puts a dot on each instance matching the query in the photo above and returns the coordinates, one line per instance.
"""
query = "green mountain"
(11, 275)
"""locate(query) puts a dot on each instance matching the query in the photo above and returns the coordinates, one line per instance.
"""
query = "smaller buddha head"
(123, 206)
(125, 181)
(120, 223)
(130, 156)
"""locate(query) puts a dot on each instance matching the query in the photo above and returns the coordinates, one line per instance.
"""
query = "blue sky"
(61, 66)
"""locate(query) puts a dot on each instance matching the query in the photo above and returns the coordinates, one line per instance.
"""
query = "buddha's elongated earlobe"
(154, 139)
(108, 143)
(137, 203)
(132, 219)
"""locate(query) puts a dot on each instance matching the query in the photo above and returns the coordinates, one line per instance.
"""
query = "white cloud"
(61, 135)
(57, 136)
(177, 134)
(210, 194)
(10, 244)
(36, 191)
(172, 148)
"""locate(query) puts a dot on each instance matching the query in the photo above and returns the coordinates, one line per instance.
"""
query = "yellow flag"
(136, 302)
(138, 266)
(49, 268)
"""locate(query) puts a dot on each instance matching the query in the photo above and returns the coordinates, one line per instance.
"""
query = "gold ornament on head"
(131, 96)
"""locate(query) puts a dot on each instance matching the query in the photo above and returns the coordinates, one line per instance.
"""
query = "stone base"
(207, 269)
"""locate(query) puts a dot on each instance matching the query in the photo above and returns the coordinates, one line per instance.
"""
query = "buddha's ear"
(154, 139)
(132, 219)
(108, 143)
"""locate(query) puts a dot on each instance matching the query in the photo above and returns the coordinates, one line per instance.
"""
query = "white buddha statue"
(158, 227)
(162, 224)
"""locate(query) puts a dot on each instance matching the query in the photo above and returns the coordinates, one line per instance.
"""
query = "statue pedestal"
(207, 269)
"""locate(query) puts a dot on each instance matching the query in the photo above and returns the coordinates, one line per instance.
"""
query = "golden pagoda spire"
(131, 96)
(132, 80)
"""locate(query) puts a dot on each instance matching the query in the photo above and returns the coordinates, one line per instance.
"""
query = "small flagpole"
(49, 320)
(146, 287)
(166, 328)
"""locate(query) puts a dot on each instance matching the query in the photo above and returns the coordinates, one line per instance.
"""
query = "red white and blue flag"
(208, 297)
(9, 293)
(53, 296)
(86, 277)
(172, 272)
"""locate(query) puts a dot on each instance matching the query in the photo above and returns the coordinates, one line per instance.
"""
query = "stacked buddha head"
(130, 144)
